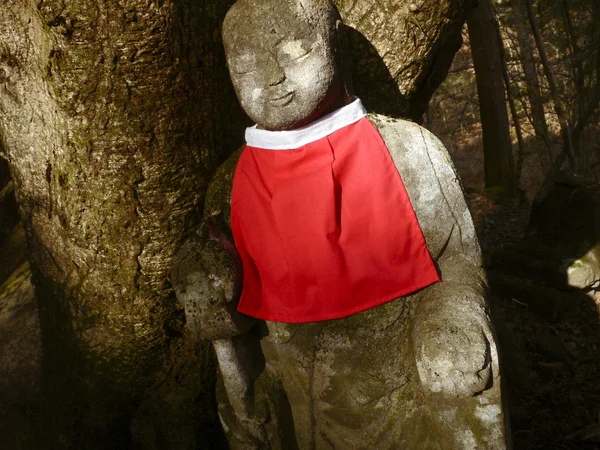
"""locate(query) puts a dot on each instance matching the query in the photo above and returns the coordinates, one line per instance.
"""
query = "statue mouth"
(282, 100)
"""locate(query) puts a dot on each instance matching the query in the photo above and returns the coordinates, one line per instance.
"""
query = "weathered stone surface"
(202, 269)
(584, 272)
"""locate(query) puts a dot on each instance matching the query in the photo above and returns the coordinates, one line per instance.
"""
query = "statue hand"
(206, 276)
(453, 356)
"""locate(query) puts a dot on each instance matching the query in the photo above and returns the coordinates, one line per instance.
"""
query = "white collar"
(289, 140)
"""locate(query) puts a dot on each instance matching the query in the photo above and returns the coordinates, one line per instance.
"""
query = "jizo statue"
(348, 310)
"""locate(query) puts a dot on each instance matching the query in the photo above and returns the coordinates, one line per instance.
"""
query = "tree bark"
(113, 115)
(486, 48)
(402, 50)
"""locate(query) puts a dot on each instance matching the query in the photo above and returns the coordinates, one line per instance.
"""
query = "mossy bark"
(113, 116)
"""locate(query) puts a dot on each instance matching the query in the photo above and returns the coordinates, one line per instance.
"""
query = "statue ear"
(343, 58)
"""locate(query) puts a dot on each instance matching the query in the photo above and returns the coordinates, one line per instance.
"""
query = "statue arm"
(206, 276)
(446, 224)
(451, 334)
(207, 272)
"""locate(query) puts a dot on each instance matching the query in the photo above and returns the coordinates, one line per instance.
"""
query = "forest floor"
(549, 341)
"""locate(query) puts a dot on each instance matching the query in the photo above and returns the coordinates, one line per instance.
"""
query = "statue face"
(285, 74)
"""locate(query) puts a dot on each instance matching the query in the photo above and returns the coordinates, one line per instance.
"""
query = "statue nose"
(276, 74)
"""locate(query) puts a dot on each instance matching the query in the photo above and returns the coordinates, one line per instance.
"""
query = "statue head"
(285, 59)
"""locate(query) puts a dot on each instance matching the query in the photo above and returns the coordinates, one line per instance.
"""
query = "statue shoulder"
(432, 184)
(417, 153)
(402, 136)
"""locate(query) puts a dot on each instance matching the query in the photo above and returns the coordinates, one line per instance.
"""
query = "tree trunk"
(588, 97)
(113, 115)
(516, 123)
(402, 50)
(486, 48)
(534, 95)
(558, 108)
(575, 58)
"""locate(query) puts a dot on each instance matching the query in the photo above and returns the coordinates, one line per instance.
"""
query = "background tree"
(567, 37)
(456, 121)
(560, 113)
(527, 59)
(486, 48)
(113, 116)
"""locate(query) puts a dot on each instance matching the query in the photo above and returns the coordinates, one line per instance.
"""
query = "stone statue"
(419, 371)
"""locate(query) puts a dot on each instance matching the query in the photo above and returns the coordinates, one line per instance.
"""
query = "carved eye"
(244, 69)
(293, 51)
(244, 64)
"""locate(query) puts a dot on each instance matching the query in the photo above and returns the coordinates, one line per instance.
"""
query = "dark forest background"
(542, 99)
(536, 208)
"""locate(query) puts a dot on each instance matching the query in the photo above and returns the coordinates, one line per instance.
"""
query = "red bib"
(324, 230)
